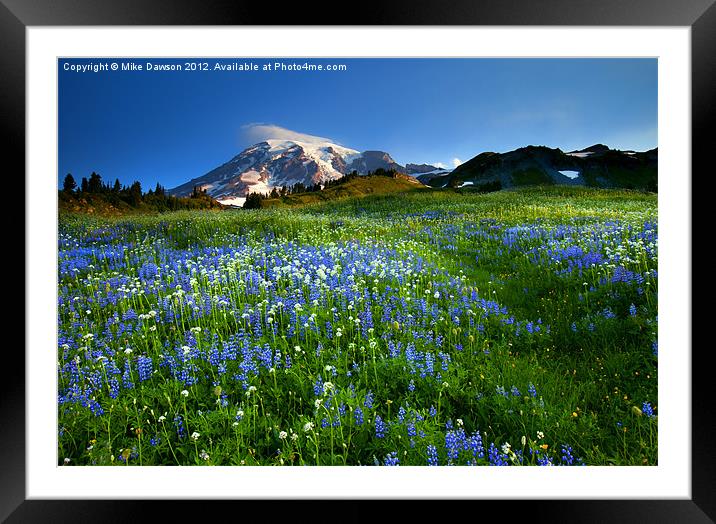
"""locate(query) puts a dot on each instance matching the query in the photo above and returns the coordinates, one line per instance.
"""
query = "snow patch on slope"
(232, 201)
(583, 154)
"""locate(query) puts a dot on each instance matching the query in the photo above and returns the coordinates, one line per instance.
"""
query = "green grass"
(363, 186)
(426, 267)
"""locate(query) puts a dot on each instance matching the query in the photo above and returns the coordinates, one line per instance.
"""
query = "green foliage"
(253, 201)
(531, 177)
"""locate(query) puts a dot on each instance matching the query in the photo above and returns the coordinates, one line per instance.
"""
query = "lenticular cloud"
(259, 132)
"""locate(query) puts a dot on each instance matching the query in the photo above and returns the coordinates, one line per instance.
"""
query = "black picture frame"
(699, 15)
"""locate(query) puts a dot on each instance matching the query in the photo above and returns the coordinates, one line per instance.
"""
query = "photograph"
(357, 261)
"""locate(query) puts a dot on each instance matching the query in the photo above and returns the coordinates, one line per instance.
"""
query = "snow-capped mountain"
(284, 163)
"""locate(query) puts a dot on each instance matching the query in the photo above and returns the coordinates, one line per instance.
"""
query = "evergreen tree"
(69, 184)
(135, 194)
(117, 187)
(253, 201)
(84, 185)
(95, 183)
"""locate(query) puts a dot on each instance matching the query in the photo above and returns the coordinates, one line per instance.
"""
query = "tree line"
(158, 198)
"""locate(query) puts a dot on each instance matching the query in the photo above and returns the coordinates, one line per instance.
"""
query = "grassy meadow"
(429, 328)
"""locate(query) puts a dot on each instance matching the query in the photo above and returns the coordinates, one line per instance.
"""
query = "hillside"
(109, 204)
(595, 166)
(354, 187)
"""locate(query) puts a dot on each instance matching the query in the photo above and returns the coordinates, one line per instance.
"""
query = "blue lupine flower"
(432, 455)
(96, 408)
(318, 387)
(647, 410)
(380, 427)
(368, 400)
(144, 367)
(567, 457)
(495, 457)
(358, 416)
(113, 387)
(179, 424)
(543, 460)
(454, 442)
(632, 310)
(608, 313)
(391, 459)
(411, 429)
(532, 390)
(127, 375)
(475, 444)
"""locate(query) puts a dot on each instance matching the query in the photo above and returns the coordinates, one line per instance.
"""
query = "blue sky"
(170, 126)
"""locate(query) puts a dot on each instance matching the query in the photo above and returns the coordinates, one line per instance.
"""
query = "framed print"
(428, 238)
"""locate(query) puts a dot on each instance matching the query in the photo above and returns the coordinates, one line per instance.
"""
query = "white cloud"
(456, 162)
(439, 165)
(255, 133)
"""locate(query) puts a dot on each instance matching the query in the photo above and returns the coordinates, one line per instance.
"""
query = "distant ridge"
(594, 166)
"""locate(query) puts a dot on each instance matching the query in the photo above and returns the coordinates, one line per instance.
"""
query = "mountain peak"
(285, 162)
(596, 148)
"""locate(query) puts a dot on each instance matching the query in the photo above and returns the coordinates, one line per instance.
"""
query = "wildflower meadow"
(436, 328)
